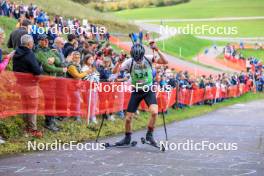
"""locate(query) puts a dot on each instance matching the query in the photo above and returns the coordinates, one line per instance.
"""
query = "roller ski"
(124, 143)
(149, 140)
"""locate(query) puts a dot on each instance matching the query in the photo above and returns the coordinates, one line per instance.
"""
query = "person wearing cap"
(69, 46)
(39, 27)
(105, 71)
(51, 66)
(15, 37)
(45, 55)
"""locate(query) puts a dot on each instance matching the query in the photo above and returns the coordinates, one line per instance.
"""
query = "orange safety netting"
(233, 62)
(45, 95)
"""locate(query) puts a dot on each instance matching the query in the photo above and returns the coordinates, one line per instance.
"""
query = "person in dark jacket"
(69, 46)
(15, 37)
(25, 61)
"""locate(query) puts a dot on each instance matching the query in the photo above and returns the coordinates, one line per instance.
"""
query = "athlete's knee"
(129, 117)
(154, 110)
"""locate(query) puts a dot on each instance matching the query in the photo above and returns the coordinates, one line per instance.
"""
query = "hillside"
(8, 24)
(68, 8)
(199, 9)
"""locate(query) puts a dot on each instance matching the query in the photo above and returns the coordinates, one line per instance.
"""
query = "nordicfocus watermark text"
(124, 87)
(59, 145)
(199, 30)
(190, 145)
(72, 29)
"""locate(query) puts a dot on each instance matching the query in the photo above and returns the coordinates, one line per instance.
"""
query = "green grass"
(185, 46)
(252, 52)
(244, 28)
(8, 24)
(71, 131)
(199, 9)
(68, 8)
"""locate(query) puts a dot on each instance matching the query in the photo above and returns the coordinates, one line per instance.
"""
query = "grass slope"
(8, 24)
(68, 8)
(252, 52)
(17, 142)
(185, 46)
(199, 9)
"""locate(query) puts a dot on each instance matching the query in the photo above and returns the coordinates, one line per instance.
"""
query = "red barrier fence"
(44, 95)
(235, 63)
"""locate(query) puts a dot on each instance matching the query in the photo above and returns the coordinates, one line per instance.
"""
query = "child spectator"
(93, 75)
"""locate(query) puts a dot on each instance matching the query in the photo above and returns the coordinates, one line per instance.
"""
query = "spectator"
(2, 64)
(74, 71)
(4, 8)
(15, 37)
(25, 61)
(61, 88)
(37, 28)
(51, 66)
(58, 46)
(105, 70)
(16, 13)
(5, 61)
(93, 75)
(2, 39)
(89, 67)
(69, 46)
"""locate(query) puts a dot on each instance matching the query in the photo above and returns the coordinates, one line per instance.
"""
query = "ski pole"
(130, 36)
(102, 122)
(164, 125)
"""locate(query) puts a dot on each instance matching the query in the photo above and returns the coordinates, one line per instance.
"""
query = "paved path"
(210, 59)
(249, 40)
(242, 124)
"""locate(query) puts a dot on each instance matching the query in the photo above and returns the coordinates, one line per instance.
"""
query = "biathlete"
(140, 68)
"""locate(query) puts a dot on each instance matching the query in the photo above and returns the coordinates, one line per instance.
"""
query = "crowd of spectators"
(252, 63)
(84, 56)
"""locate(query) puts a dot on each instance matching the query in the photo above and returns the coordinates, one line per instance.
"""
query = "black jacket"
(68, 49)
(15, 38)
(25, 61)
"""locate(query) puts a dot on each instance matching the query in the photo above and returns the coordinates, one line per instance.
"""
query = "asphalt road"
(241, 124)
